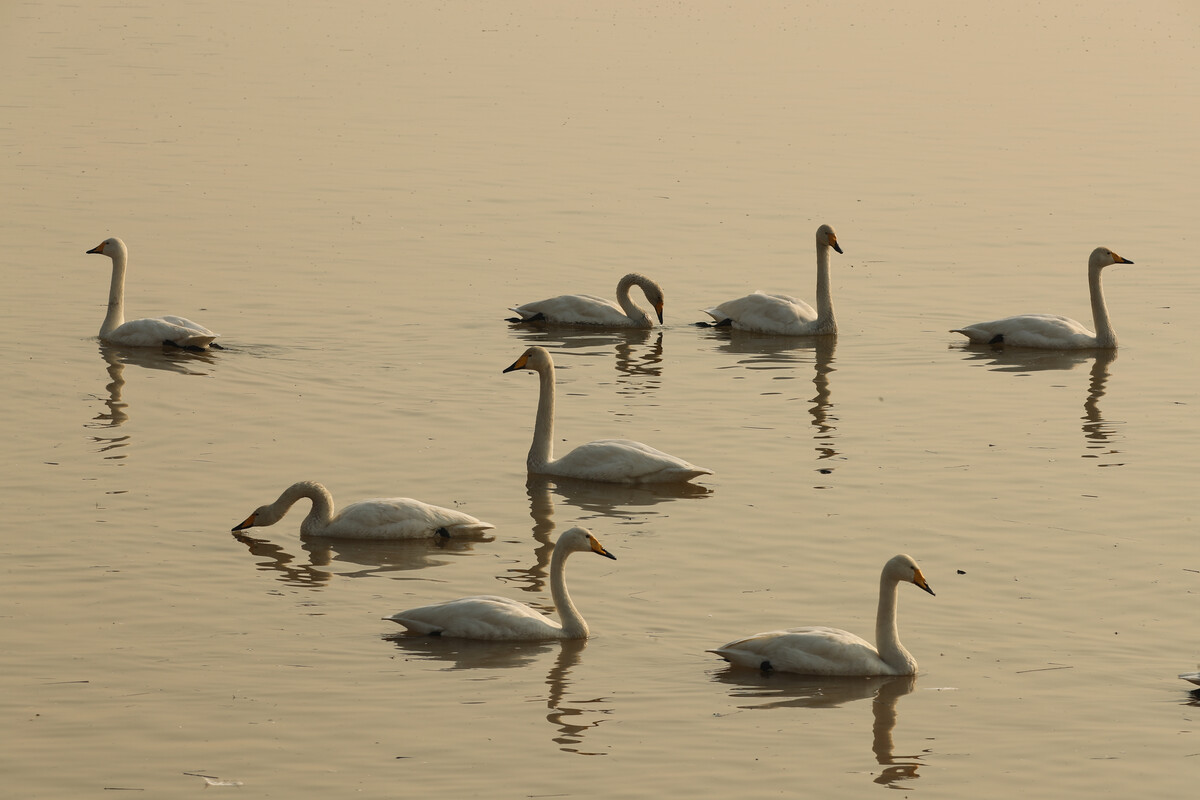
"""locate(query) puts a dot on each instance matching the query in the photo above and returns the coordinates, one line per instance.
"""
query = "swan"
(149, 332)
(491, 617)
(608, 460)
(586, 309)
(383, 518)
(1191, 677)
(1050, 331)
(830, 651)
(779, 313)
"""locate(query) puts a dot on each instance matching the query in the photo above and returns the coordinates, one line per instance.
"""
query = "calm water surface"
(353, 196)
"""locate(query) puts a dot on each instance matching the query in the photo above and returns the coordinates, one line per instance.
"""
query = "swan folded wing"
(766, 313)
(400, 518)
(576, 309)
(482, 617)
(153, 331)
(1031, 330)
(806, 651)
(625, 461)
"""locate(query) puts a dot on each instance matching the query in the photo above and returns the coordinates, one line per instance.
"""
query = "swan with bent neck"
(587, 309)
(783, 314)
(151, 331)
(608, 460)
(1051, 331)
(499, 618)
(381, 518)
(832, 651)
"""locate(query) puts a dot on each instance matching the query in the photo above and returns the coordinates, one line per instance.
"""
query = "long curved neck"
(887, 638)
(541, 452)
(1105, 335)
(115, 317)
(573, 625)
(825, 320)
(632, 309)
(322, 505)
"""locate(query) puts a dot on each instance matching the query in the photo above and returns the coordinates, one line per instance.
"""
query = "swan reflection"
(1098, 433)
(570, 719)
(353, 558)
(760, 352)
(636, 353)
(778, 690)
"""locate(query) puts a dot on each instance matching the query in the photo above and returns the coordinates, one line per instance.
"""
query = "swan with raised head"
(832, 651)
(587, 309)
(151, 331)
(780, 313)
(382, 518)
(1050, 331)
(608, 460)
(499, 618)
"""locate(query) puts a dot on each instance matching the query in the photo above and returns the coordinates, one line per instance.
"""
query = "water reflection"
(324, 555)
(1099, 434)
(793, 691)
(618, 503)
(115, 412)
(570, 719)
(761, 352)
(637, 353)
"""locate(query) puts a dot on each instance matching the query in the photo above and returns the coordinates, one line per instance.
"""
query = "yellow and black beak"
(920, 581)
(248, 522)
(833, 243)
(518, 364)
(658, 309)
(98, 249)
(1117, 259)
(599, 550)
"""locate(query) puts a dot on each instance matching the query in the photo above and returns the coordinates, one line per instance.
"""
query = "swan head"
(261, 517)
(579, 540)
(535, 358)
(110, 247)
(1102, 257)
(826, 237)
(904, 568)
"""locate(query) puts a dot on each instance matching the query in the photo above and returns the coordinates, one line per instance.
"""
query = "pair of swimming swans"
(152, 331)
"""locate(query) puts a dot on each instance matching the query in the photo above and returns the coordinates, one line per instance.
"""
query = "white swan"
(608, 460)
(587, 309)
(830, 651)
(1050, 331)
(383, 518)
(780, 313)
(149, 332)
(491, 617)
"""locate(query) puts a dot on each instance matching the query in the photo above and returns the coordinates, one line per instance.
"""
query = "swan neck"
(825, 320)
(322, 506)
(1105, 335)
(632, 309)
(115, 317)
(573, 625)
(541, 452)
(887, 638)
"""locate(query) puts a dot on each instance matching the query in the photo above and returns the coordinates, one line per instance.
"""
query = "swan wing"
(154, 331)
(1047, 331)
(806, 651)
(766, 313)
(481, 617)
(400, 518)
(624, 461)
(575, 309)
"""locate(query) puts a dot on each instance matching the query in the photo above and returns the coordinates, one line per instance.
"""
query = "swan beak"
(248, 522)
(98, 249)
(833, 243)
(658, 309)
(518, 364)
(1118, 260)
(920, 581)
(599, 550)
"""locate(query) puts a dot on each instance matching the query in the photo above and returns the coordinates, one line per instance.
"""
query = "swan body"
(607, 460)
(384, 518)
(831, 651)
(586, 309)
(780, 313)
(1050, 331)
(149, 332)
(499, 618)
